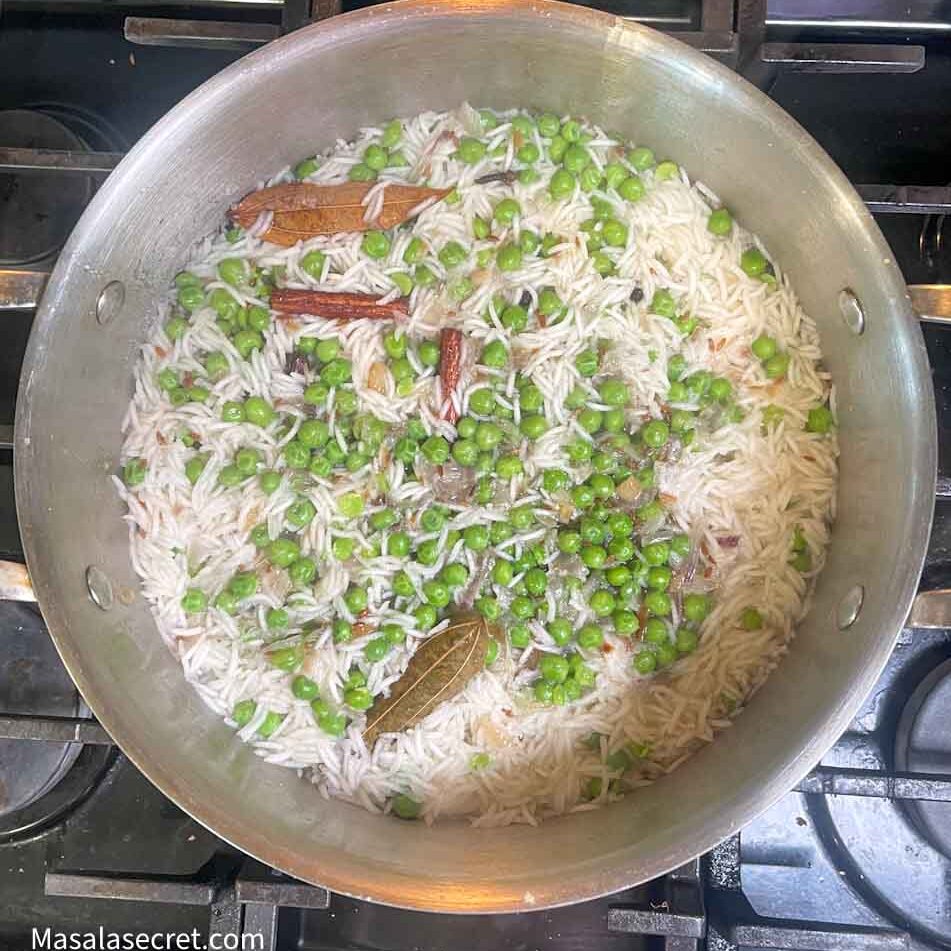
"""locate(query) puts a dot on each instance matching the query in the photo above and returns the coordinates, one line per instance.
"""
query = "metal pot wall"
(298, 94)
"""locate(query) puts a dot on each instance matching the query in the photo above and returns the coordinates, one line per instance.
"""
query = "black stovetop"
(817, 871)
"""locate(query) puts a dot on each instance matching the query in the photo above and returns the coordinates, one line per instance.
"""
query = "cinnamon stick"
(336, 305)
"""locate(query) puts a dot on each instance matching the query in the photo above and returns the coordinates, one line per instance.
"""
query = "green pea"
(175, 328)
(243, 712)
(582, 496)
(227, 602)
(506, 211)
(358, 698)
(296, 455)
(553, 668)
(350, 504)
(355, 599)
(560, 630)
(509, 257)
(594, 556)
(632, 188)
(536, 582)
(402, 806)
(361, 173)
(480, 228)
(283, 552)
(427, 552)
(655, 434)
(232, 271)
(602, 602)
(243, 584)
(543, 691)
(625, 623)
(312, 264)
(686, 640)
(645, 662)
(658, 603)
(424, 276)
(696, 607)
(277, 619)
(300, 514)
(476, 537)
(190, 297)
(454, 575)
(302, 571)
(561, 184)
(306, 168)
(167, 379)
(666, 171)
(590, 637)
(428, 353)
(465, 452)
(528, 153)
(246, 460)
(336, 372)
(502, 573)
(230, 476)
(820, 420)
(304, 688)
(470, 150)
(377, 649)
(641, 158)
(194, 601)
(614, 233)
(514, 318)
(403, 585)
(555, 480)
(482, 402)
(720, 222)
(195, 466)
(256, 410)
(533, 427)
(415, 251)
(494, 354)
(426, 616)
(508, 467)
(452, 254)
(776, 366)
(586, 363)
(375, 244)
(341, 631)
(753, 262)
(375, 157)
(548, 125)
(133, 472)
(334, 724)
(436, 450)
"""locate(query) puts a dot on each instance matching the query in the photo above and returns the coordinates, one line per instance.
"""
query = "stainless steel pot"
(298, 94)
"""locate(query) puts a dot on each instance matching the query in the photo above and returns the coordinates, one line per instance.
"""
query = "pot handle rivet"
(853, 313)
(99, 588)
(111, 299)
(850, 607)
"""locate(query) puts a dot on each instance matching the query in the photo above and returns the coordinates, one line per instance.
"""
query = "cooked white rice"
(740, 491)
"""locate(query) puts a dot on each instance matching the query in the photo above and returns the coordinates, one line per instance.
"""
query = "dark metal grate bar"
(836, 781)
(58, 160)
(15, 726)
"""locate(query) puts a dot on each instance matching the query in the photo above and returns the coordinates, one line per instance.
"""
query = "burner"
(39, 781)
(895, 855)
(923, 745)
(36, 212)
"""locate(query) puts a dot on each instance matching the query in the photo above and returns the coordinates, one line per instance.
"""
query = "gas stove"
(858, 856)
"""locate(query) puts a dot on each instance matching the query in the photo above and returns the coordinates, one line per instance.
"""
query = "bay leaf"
(303, 210)
(440, 669)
